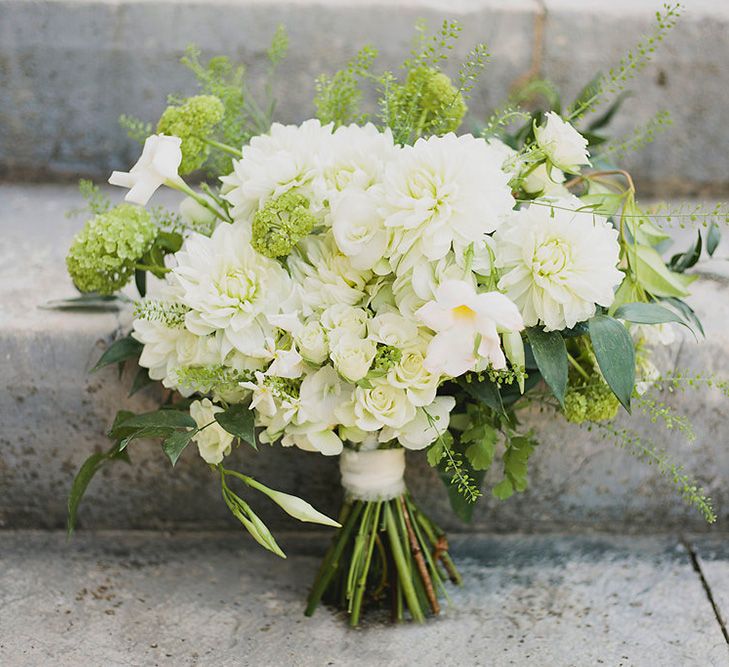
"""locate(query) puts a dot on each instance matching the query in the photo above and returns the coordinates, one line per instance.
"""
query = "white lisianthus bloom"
(381, 405)
(230, 287)
(313, 438)
(213, 441)
(557, 264)
(563, 145)
(158, 164)
(341, 319)
(325, 275)
(358, 228)
(426, 427)
(410, 374)
(443, 192)
(391, 328)
(286, 364)
(352, 356)
(547, 182)
(321, 395)
(288, 157)
(312, 342)
(467, 326)
(357, 157)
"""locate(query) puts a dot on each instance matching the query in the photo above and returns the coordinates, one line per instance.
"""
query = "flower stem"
(356, 604)
(224, 147)
(405, 575)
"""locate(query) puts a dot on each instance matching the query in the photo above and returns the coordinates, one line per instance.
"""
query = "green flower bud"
(281, 224)
(103, 255)
(192, 121)
(386, 357)
(440, 100)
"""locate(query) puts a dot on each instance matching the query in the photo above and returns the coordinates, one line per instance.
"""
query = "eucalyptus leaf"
(646, 313)
(685, 260)
(615, 354)
(238, 420)
(119, 351)
(550, 353)
(140, 281)
(713, 238)
(485, 391)
(687, 312)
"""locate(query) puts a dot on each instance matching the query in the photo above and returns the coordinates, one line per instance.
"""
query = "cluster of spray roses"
(356, 276)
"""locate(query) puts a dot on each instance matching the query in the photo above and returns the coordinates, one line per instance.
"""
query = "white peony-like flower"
(232, 288)
(467, 326)
(288, 158)
(352, 356)
(358, 228)
(426, 427)
(158, 164)
(563, 145)
(213, 441)
(547, 182)
(557, 264)
(442, 193)
(381, 405)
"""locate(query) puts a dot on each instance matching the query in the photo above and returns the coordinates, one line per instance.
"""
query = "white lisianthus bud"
(158, 164)
(213, 441)
(312, 342)
(297, 507)
(548, 183)
(353, 356)
(382, 405)
(358, 228)
(564, 146)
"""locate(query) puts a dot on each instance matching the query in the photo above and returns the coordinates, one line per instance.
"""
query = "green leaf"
(685, 260)
(654, 276)
(687, 312)
(602, 203)
(147, 432)
(175, 444)
(646, 313)
(161, 419)
(481, 453)
(485, 391)
(550, 353)
(140, 281)
(713, 238)
(86, 302)
(604, 119)
(116, 431)
(141, 380)
(435, 453)
(119, 351)
(516, 458)
(615, 355)
(238, 420)
(462, 507)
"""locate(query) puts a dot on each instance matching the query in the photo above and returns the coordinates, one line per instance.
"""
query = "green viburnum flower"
(387, 356)
(593, 402)
(281, 224)
(103, 255)
(192, 121)
(440, 101)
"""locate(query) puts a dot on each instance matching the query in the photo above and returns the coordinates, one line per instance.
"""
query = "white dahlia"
(288, 157)
(442, 193)
(229, 287)
(557, 264)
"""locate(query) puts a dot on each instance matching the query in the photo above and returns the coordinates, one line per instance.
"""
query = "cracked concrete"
(135, 598)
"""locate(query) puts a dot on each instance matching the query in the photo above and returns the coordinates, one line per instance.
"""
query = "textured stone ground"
(141, 598)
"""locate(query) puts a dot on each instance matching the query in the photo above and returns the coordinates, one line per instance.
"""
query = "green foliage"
(386, 357)
(516, 457)
(646, 313)
(137, 130)
(649, 453)
(590, 401)
(658, 411)
(96, 201)
(338, 97)
(631, 64)
(119, 351)
(193, 121)
(615, 354)
(238, 421)
(169, 313)
(217, 379)
(175, 443)
(280, 224)
(682, 380)
(480, 439)
(104, 253)
(550, 354)
(639, 138)
(279, 47)
(453, 468)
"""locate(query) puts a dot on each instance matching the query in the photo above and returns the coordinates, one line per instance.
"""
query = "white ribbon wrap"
(373, 475)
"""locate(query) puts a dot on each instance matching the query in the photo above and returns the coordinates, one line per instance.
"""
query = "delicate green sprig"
(207, 379)
(137, 130)
(640, 137)
(169, 313)
(658, 411)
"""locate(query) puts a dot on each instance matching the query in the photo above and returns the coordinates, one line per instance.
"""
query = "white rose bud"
(312, 342)
(382, 405)
(549, 184)
(213, 441)
(353, 356)
(565, 147)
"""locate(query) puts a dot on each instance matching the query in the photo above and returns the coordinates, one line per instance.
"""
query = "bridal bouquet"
(362, 285)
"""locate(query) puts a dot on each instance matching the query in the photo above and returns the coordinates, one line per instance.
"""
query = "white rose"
(565, 147)
(353, 356)
(358, 228)
(312, 343)
(158, 164)
(546, 183)
(392, 329)
(341, 319)
(426, 427)
(382, 405)
(213, 441)
(410, 374)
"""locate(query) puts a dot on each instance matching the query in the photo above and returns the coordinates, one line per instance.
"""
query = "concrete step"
(202, 599)
(70, 67)
(54, 415)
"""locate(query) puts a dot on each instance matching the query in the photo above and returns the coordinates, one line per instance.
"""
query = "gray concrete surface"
(216, 599)
(54, 414)
(68, 68)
